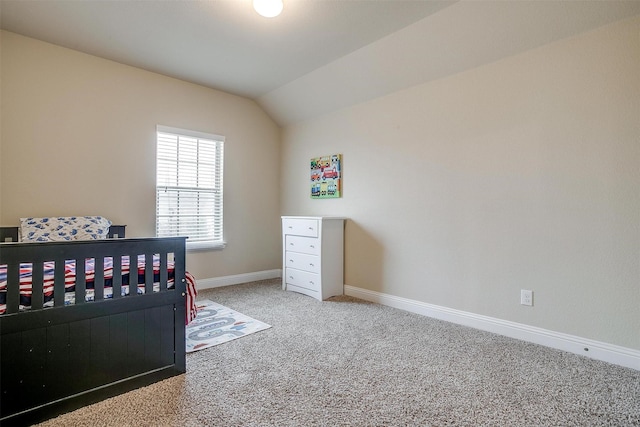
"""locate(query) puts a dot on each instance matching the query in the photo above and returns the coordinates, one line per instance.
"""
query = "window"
(189, 186)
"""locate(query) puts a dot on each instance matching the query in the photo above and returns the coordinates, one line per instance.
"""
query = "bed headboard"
(116, 231)
(10, 234)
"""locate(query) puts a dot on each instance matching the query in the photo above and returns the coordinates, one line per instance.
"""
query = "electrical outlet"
(526, 297)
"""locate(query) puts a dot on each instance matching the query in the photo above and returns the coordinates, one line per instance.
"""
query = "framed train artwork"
(326, 177)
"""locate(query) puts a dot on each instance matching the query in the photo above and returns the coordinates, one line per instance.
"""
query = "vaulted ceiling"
(318, 55)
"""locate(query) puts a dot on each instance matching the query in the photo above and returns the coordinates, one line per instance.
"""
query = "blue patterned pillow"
(64, 228)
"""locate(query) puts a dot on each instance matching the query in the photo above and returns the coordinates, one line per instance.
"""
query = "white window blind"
(189, 186)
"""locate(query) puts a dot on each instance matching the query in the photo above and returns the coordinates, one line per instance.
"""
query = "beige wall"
(78, 138)
(522, 174)
(1, 34)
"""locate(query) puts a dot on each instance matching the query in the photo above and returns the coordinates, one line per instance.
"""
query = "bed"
(75, 329)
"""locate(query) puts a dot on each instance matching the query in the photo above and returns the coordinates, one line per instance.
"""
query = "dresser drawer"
(302, 279)
(302, 261)
(312, 293)
(300, 226)
(306, 245)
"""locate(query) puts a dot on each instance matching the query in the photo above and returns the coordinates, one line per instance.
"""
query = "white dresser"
(313, 255)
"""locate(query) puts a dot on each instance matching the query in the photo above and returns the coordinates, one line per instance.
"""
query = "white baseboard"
(216, 282)
(610, 353)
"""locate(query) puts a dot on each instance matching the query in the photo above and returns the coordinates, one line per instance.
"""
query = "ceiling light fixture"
(268, 8)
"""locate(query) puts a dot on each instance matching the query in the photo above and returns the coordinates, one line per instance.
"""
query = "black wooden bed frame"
(54, 360)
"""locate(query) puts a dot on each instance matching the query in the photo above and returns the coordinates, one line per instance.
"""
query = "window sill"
(205, 246)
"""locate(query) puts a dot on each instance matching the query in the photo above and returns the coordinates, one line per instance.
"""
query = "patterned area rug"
(215, 324)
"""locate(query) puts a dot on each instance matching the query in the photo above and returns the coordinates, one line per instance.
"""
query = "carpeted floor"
(346, 362)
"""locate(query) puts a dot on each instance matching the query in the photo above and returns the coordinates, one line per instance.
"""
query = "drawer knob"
(291, 244)
(311, 264)
(311, 246)
(311, 281)
(310, 228)
(290, 277)
(290, 260)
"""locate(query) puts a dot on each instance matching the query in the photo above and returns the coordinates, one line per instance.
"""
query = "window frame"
(218, 172)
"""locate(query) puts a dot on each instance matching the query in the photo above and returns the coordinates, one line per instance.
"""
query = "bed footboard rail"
(60, 257)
